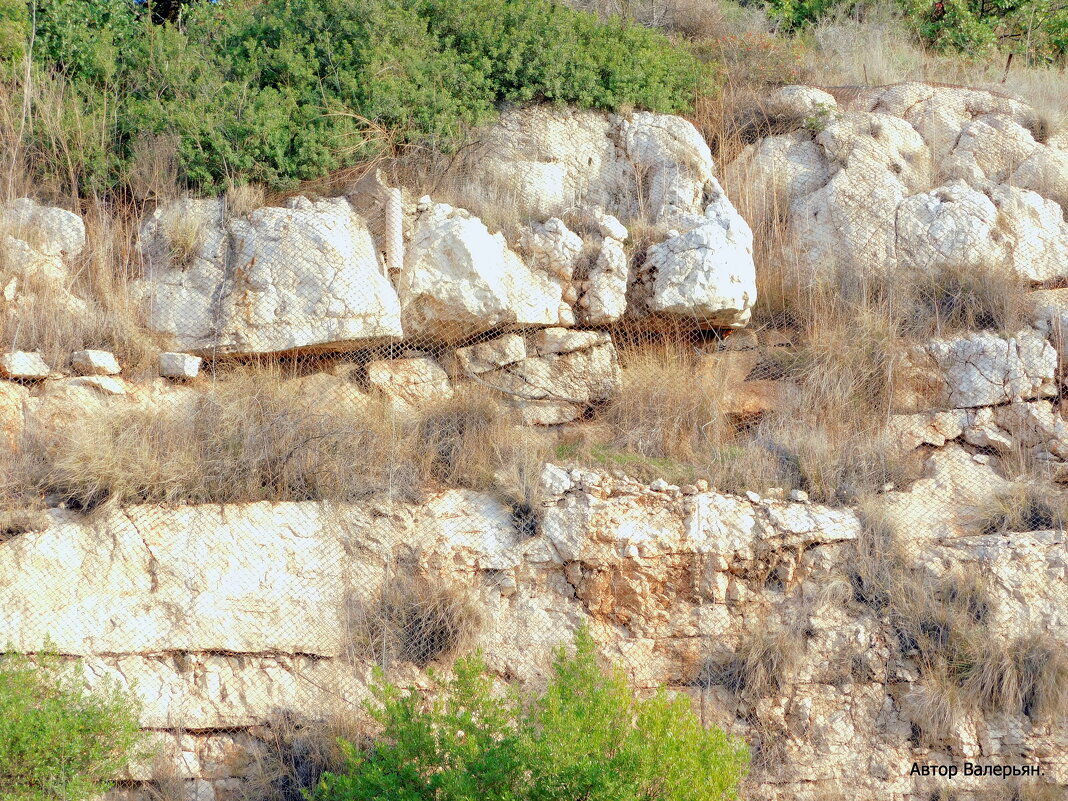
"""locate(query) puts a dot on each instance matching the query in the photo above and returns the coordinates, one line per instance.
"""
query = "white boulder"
(706, 274)
(23, 365)
(179, 365)
(459, 280)
(278, 280)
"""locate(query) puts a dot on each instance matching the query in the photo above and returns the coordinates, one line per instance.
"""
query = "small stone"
(689, 489)
(800, 496)
(659, 486)
(889, 485)
(10, 288)
(95, 362)
(179, 365)
(23, 365)
(752, 496)
(702, 485)
(775, 493)
(554, 480)
(981, 458)
(631, 552)
(508, 585)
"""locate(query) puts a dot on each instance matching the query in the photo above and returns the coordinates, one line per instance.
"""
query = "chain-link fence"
(788, 441)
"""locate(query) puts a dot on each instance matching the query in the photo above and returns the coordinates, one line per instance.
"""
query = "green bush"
(1037, 29)
(585, 737)
(56, 741)
(278, 91)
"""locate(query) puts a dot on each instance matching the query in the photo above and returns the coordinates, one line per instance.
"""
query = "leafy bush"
(1037, 29)
(279, 91)
(585, 737)
(55, 740)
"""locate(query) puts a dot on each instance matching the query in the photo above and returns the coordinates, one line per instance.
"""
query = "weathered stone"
(605, 301)
(179, 365)
(23, 365)
(412, 382)
(706, 275)
(978, 369)
(105, 384)
(551, 247)
(547, 160)
(560, 374)
(95, 362)
(278, 280)
(459, 280)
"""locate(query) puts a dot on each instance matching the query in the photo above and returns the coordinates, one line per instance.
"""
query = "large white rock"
(95, 362)
(459, 280)
(23, 365)
(706, 275)
(982, 369)
(911, 177)
(50, 231)
(548, 159)
(280, 279)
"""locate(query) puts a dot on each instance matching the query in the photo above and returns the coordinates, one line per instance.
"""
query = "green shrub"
(56, 741)
(585, 737)
(1037, 29)
(280, 91)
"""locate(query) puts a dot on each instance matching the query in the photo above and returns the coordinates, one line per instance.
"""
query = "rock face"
(550, 377)
(459, 280)
(980, 369)
(36, 238)
(282, 279)
(911, 177)
(222, 618)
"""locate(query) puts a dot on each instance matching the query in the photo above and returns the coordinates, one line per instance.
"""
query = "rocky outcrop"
(550, 377)
(910, 177)
(221, 619)
(978, 369)
(551, 159)
(282, 279)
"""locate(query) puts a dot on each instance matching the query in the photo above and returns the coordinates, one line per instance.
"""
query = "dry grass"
(943, 625)
(243, 199)
(763, 664)
(252, 434)
(413, 619)
(879, 49)
(90, 308)
(1023, 508)
(299, 751)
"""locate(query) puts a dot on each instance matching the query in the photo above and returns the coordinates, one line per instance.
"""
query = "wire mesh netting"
(783, 430)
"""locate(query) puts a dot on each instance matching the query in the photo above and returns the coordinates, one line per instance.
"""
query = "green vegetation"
(1036, 28)
(278, 91)
(56, 741)
(585, 737)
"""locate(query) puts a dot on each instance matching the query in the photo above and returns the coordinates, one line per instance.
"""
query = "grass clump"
(586, 736)
(56, 741)
(763, 664)
(1023, 508)
(418, 620)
